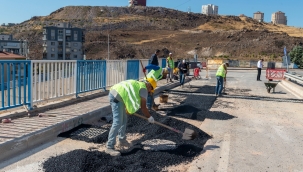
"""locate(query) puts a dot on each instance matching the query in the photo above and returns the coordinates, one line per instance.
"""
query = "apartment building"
(11, 45)
(279, 18)
(137, 3)
(210, 9)
(259, 16)
(63, 42)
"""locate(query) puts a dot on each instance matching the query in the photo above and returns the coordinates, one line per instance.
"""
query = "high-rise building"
(259, 16)
(11, 45)
(63, 42)
(137, 3)
(210, 9)
(279, 18)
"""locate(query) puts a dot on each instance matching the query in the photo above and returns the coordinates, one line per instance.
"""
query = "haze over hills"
(138, 31)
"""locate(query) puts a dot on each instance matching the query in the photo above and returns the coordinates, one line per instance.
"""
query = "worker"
(182, 66)
(221, 78)
(125, 98)
(170, 65)
(156, 75)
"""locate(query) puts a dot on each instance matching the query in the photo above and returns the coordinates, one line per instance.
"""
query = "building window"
(53, 34)
(53, 49)
(60, 50)
(53, 43)
(75, 44)
(52, 55)
(60, 43)
(67, 50)
(75, 56)
(75, 35)
(67, 31)
(75, 50)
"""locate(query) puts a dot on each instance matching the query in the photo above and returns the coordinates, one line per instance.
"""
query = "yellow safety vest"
(170, 62)
(129, 92)
(221, 71)
(155, 74)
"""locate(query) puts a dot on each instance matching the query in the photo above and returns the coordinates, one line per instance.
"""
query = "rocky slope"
(137, 32)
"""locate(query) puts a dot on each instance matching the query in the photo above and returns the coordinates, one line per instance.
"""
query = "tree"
(296, 56)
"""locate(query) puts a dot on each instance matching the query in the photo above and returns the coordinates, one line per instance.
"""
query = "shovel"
(187, 135)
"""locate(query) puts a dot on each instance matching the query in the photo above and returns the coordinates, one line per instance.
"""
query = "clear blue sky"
(17, 11)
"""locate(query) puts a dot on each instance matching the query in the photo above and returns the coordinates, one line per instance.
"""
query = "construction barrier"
(275, 74)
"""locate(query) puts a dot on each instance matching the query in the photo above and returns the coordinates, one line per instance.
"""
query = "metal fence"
(14, 83)
(32, 81)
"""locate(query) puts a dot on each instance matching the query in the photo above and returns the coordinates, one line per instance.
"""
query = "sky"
(17, 11)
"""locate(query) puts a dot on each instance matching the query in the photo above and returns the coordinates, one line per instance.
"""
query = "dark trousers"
(259, 74)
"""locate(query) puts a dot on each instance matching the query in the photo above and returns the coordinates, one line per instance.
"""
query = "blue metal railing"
(132, 69)
(14, 83)
(91, 75)
(163, 63)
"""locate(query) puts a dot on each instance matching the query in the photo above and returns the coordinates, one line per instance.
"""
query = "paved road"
(264, 133)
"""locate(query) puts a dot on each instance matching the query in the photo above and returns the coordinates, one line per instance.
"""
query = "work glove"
(151, 119)
(144, 70)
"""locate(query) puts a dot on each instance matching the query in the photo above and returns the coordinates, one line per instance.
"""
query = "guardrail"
(33, 81)
(294, 78)
(14, 83)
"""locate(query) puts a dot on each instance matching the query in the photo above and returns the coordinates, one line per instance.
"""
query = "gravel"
(158, 144)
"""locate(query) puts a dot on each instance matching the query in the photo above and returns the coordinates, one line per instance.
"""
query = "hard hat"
(153, 83)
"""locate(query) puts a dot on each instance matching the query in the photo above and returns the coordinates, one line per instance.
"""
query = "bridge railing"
(29, 82)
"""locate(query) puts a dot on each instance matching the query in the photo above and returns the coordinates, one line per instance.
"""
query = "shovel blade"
(189, 134)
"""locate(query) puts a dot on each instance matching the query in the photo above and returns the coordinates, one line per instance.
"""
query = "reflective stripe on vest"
(156, 75)
(221, 71)
(129, 92)
(170, 62)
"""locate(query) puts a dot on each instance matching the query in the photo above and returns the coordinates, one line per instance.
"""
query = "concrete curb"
(17, 146)
(293, 88)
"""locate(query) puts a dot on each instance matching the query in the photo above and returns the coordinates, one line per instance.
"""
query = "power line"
(182, 4)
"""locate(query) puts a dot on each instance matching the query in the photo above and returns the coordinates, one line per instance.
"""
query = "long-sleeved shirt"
(182, 67)
(154, 60)
(260, 64)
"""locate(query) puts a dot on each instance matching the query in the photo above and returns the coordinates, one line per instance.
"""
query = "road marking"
(223, 163)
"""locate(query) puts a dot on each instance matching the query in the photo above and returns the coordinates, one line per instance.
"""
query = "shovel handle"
(143, 68)
(158, 123)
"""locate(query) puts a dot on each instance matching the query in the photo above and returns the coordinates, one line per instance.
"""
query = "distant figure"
(259, 66)
(154, 58)
(182, 71)
(221, 78)
(170, 65)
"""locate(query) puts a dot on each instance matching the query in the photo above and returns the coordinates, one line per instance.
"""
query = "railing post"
(29, 85)
(77, 82)
(104, 75)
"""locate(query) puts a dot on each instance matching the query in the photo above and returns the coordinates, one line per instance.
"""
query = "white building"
(259, 16)
(210, 9)
(279, 18)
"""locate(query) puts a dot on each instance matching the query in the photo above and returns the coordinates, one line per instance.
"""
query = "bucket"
(163, 98)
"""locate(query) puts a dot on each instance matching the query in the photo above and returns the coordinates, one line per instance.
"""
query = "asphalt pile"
(158, 148)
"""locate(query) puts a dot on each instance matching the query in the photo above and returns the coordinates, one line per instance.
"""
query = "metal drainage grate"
(88, 132)
(158, 144)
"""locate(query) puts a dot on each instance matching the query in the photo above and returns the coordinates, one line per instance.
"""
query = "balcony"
(44, 45)
(44, 32)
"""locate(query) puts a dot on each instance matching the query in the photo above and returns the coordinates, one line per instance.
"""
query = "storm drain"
(88, 132)
(158, 144)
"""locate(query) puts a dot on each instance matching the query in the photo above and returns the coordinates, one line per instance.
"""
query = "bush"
(296, 56)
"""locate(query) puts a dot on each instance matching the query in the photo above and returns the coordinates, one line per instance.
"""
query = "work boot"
(124, 143)
(167, 80)
(156, 107)
(171, 80)
(112, 152)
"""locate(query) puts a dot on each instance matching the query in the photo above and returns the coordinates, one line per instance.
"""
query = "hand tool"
(187, 135)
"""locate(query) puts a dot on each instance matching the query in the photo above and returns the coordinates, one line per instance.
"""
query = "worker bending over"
(127, 97)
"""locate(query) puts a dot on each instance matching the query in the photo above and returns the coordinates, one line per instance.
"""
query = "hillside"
(137, 32)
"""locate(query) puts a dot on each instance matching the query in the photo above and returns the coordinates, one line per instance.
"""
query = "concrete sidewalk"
(25, 133)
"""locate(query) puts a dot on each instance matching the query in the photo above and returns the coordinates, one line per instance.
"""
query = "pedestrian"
(170, 65)
(182, 71)
(221, 78)
(259, 66)
(154, 58)
(125, 98)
